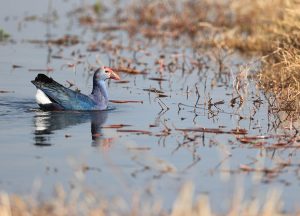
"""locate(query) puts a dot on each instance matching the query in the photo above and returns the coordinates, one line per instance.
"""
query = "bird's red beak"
(113, 75)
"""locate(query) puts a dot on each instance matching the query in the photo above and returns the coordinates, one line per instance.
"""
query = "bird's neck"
(99, 91)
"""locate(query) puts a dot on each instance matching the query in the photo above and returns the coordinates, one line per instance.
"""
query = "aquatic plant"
(3, 35)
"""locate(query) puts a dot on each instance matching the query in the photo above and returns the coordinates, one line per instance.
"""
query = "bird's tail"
(42, 80)
(51, 88)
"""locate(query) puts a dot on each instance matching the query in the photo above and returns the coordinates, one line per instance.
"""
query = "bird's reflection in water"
(48, 122)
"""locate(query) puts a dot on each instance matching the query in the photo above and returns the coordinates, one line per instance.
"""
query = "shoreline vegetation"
(268, 29)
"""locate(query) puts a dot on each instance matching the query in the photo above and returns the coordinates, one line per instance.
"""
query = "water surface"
(51, 147)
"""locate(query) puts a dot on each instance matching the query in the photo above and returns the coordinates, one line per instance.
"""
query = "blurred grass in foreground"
(184, 205)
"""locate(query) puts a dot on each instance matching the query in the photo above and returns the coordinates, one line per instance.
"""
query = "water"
(51, 147)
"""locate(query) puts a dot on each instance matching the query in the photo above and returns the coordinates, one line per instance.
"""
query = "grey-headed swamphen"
(54, 96)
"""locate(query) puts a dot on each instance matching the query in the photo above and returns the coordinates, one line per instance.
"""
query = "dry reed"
(185, 204)
(269, 28)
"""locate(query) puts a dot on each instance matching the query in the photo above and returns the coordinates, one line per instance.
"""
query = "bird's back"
(64, 97)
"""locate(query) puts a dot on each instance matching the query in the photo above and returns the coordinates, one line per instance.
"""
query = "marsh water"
(147, 153)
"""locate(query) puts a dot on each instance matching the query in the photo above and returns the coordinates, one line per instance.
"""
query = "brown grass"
(270, 28)
(185, 204)
(280, 76)
(275, 33)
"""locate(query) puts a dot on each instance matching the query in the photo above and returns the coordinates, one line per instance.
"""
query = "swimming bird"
(54, 96)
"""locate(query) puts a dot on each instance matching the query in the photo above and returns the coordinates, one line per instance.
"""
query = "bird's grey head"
(103, 73)
(99, 92)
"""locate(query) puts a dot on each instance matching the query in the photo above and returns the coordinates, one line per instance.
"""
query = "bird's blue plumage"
(63, 98)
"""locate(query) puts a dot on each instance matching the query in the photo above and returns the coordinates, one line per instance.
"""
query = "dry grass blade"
(5, 91)
(116, 126)
(127, 70)
(122, 81)
(154, 90)
(157, 79)
(14, 66)
(126, 101)
(135, 131)
(41, 70)
(139, 148)
(214, 130)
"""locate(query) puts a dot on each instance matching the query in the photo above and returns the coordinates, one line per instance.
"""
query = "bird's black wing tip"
(42, 78)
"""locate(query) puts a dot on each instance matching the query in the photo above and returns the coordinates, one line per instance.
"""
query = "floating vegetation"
(214, 130)
(66, 40)
(116, 126)
(5, 91)
(49, 69)
(134, 131)
(126, 101)
(3, 35)
(128, 70)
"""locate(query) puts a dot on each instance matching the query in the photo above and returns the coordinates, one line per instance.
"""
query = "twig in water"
(198, 98)
(162, 103)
